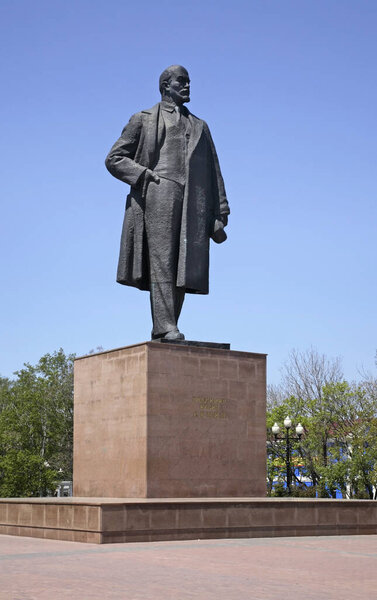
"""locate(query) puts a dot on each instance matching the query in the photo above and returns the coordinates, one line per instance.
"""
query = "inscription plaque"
(210, 408)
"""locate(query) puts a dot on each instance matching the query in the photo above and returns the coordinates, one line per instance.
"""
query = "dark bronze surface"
(177, 202)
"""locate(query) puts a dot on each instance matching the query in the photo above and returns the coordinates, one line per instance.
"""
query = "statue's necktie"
(178, 111)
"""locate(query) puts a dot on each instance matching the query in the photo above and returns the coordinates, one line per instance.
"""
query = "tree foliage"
(339, 448)
(36, 427)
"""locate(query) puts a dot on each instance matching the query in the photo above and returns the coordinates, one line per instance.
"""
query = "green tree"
(36, 427)
(339, 448)
(5, 385)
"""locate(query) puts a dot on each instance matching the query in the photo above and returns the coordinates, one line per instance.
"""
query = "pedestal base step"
(111, 520)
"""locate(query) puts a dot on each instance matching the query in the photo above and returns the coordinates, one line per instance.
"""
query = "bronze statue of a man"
(176, 203)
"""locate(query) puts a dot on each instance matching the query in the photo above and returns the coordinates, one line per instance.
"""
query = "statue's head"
(175, 84)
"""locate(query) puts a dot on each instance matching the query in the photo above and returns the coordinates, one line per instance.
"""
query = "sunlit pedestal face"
(162, 420)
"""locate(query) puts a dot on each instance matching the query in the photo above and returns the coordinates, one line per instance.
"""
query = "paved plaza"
(310, 568)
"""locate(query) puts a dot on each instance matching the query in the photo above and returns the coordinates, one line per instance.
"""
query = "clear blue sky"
(289, 91)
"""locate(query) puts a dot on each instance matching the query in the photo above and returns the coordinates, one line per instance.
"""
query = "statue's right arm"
(120, 160)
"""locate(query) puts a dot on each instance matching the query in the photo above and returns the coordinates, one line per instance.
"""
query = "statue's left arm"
(218, 182)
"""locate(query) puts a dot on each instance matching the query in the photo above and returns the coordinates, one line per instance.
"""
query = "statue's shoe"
(157, 337)
(174, 335)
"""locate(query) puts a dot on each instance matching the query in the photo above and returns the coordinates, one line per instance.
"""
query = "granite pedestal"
(170, 421)
(163, 434)
(111, 520)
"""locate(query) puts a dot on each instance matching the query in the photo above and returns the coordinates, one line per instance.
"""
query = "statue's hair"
(166, 75)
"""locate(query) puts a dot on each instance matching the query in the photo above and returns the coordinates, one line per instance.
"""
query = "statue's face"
(179, 86)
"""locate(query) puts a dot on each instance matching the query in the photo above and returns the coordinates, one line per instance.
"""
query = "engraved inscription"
(209, 408)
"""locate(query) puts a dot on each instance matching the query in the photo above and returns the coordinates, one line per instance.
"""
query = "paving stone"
(314, 568)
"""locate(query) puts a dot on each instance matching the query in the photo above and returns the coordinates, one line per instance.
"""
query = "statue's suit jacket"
(204, 199)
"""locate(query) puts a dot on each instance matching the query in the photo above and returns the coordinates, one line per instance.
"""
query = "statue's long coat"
(204, 199)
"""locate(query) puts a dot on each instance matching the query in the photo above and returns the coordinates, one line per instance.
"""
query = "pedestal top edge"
(169, 346)
(197, 500)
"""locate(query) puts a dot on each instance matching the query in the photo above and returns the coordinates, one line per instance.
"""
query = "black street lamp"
(288, 439)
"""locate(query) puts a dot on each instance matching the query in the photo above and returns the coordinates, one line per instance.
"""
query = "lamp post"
(288, 439)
